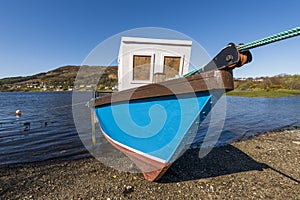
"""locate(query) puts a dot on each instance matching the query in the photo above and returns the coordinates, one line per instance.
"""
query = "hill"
(62, 79)
(276, 86)
(282, 81)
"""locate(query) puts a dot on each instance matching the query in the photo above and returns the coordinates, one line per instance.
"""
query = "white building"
(145, 60)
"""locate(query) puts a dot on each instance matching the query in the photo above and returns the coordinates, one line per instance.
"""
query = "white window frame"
(140, 53)
(173, 55)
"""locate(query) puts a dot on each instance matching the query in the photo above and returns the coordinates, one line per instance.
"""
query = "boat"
(164, 113)
(152, 123)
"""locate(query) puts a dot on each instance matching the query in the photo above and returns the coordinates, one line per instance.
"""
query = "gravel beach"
(264, 167)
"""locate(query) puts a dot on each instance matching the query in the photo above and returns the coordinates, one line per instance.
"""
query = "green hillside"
(276, 86)
(62, 79)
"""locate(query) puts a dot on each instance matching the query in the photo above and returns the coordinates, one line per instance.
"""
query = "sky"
(38, 36)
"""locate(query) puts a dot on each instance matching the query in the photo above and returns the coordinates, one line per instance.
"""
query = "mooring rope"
(257, 43)
(271, 39)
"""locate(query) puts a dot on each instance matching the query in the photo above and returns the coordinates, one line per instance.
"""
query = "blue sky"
(37, 36)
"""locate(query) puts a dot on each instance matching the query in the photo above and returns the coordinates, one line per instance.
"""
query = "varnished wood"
(206, 81)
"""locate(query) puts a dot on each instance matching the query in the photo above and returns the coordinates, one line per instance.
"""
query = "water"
(247, 117)
(53, 135)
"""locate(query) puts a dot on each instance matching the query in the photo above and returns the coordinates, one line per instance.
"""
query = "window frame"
(152, 55)
(174, 55)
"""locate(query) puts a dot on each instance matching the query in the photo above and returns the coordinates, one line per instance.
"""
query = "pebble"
(127, 189)
(213, 177)
(296, 142)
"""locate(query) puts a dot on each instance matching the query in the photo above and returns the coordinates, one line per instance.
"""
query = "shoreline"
(233, 93)
(266, 166)
(259, 93)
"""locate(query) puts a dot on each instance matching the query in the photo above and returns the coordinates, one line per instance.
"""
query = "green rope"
(191, 72)
(274, 38)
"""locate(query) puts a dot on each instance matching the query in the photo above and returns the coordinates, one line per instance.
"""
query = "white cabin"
(146, 60)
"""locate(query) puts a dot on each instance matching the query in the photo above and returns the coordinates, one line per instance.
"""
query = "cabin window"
(141, 67)
(171, 66)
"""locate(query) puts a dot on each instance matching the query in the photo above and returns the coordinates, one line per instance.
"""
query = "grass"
(264, 93)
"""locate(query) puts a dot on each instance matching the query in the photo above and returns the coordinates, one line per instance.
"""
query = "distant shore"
(63, 79)
(264, 93)
(38, 91)
(265, 167)
(240, 93)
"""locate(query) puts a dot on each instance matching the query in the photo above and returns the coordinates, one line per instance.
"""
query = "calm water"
(52, 133)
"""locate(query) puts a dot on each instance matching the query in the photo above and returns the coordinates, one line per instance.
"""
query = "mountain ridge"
(61, 79)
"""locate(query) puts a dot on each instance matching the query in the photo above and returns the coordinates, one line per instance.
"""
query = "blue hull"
(155, 123)
(156, 127)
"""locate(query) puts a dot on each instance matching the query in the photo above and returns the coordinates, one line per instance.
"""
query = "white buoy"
(18, 112)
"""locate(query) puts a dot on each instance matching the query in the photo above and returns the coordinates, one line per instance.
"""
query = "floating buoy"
(18, 113)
